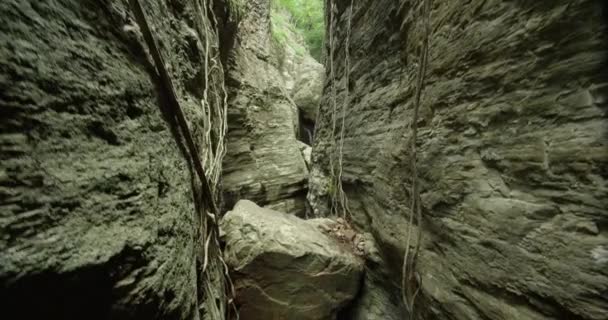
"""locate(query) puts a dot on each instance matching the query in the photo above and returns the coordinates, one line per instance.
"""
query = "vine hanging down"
(207, 164)
(410, 281)
(339, 200)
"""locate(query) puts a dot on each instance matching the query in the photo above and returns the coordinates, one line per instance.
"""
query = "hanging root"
(343, 200)
(208, 164)
(411, 282)
(214, 106)
(214, 103)
(333, 187)
(338, 198)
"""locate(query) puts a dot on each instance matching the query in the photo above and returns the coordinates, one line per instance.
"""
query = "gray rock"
(512, 153)
(306, 153)
(296, 206)
(97, 218)
(306, 93)
(263, 162)
(374, 301)
(302, 75)
(318, 186)
(285, 267)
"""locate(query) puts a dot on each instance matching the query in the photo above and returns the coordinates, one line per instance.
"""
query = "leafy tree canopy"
(307, 17)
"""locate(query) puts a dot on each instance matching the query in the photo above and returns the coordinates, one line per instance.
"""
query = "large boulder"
(308, 87)
(285, 267)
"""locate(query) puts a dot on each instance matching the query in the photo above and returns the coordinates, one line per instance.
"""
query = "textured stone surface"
(306, 93)
(285, 267)
(376, 298)
(306, 153)
(264, 163)
(301, 74)
(512, 153)
(97, 219)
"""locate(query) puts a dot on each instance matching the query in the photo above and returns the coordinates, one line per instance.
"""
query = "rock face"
(512, 154)
(285, 267)
(264, 162)
(308, 86)
(97, 219)
(306, 153)
(302, 75)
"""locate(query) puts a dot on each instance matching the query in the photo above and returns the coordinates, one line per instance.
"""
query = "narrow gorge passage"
(304, 159)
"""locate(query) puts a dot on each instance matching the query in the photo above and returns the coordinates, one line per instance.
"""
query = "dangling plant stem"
(410, 282)
(341, 194)
(214, 110)
(339, 201)
(214, 107)
(332, 138)
(207, 165)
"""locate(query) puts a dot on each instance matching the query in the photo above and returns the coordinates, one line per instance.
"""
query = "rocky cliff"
(512, 155)
(264, 162)
(97, 213)
(101, 214)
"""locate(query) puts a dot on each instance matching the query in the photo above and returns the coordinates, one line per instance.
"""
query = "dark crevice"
(82, 294)
(306, 129)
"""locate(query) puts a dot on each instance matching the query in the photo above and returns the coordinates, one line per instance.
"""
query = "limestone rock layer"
(512, 153)
(264, 162)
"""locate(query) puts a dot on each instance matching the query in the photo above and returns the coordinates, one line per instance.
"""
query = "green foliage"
(279, 27)
(307, 17)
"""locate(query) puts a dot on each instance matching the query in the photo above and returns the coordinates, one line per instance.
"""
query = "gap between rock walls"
(303, 159)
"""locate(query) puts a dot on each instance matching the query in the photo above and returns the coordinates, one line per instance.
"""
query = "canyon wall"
(512, 155)
(98, 218)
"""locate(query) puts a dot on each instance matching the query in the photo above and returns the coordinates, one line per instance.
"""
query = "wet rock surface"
(288, 268)
(512, 154)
